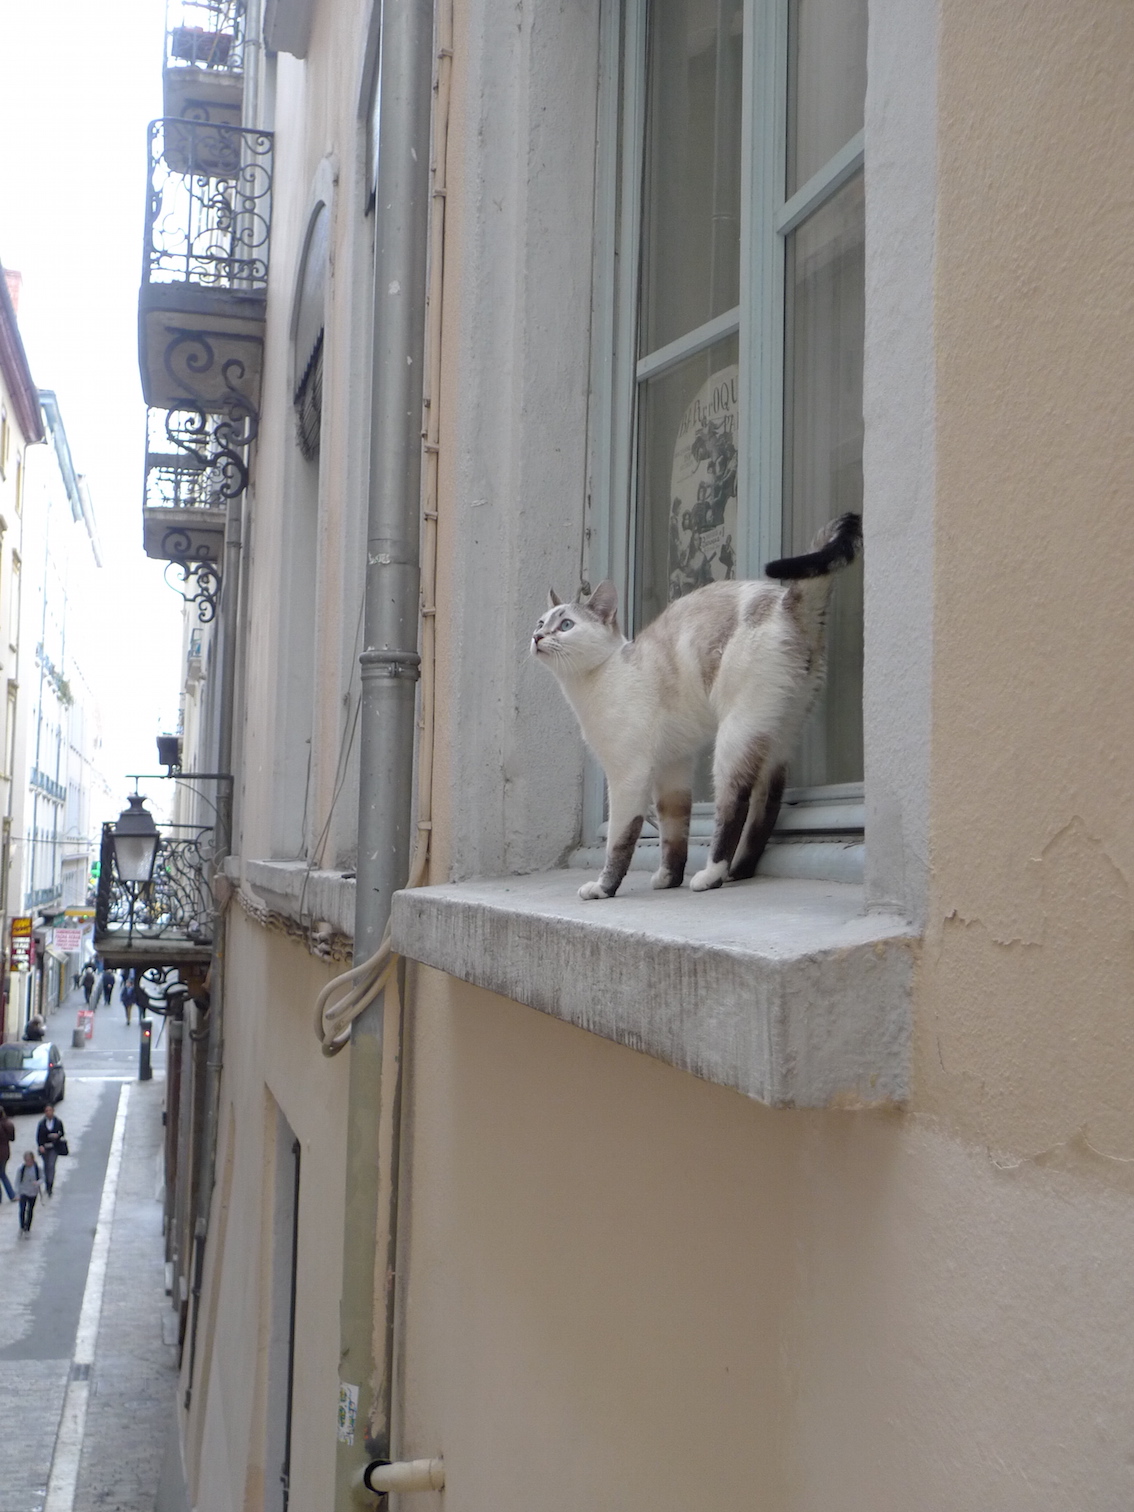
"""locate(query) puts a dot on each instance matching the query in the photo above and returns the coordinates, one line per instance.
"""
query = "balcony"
(195, 464)
(48, 785)
(166, 921)
(205, 267)
(204, 67)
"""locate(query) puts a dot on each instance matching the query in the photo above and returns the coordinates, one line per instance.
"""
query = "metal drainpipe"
(204, 1170)
(390, 664)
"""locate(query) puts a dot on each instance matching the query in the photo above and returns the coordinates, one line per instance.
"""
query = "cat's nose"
(536, 639)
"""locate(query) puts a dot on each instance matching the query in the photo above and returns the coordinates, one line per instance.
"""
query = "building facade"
(810, 1192)
(58, 728)
(21, 427)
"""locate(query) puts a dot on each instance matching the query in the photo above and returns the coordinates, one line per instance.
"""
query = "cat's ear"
(604, 602)
(553, 599)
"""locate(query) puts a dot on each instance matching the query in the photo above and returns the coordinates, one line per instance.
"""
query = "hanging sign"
(23, 945)
(68, 940)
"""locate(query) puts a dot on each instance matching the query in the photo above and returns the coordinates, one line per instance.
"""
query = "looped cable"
(352, 992)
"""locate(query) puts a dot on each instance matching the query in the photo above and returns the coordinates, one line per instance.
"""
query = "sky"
(80, 86)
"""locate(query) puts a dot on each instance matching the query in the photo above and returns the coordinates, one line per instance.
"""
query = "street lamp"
(135, 841)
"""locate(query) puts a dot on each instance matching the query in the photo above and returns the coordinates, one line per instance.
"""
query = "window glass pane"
(823, 455)
(691, 180)
(826, 82)
(687, 459)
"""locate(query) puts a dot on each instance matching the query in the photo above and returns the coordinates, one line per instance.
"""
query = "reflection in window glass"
(826, 82)
(687, 479)
(691, 219)
(823, 455)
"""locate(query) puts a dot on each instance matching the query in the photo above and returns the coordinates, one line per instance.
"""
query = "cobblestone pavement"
(42, 1280)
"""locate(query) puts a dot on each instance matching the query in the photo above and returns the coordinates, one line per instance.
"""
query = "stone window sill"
(783, 988)
(291, 889)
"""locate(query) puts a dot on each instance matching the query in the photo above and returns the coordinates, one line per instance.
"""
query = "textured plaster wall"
(514, 428)
(626, 1288)
(1025, 1020)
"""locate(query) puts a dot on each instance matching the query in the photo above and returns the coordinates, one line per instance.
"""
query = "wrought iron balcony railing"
(209, 224)
(168, 918)
(205, 266)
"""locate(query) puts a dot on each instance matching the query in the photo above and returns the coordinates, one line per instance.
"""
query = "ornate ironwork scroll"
(196, 460)
(202, 572)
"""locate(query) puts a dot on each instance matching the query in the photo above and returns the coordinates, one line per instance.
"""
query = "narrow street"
(86, 1375)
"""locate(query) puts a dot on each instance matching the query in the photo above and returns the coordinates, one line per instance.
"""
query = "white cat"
(743, 662)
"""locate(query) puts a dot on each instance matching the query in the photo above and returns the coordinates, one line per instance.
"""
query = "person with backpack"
(27, 1189)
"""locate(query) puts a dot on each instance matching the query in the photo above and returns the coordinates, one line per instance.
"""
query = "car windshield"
(22, 1057)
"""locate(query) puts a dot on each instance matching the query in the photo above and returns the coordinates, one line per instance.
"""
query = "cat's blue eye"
(566, 624)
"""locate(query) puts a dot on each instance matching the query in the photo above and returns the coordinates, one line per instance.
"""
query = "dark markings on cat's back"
(714, 624)
(760, 608)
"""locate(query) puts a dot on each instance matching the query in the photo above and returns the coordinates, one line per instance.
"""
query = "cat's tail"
(834, 548)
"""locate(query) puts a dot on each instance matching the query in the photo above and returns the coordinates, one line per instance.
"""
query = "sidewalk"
(134, 1379)
(129, 1384)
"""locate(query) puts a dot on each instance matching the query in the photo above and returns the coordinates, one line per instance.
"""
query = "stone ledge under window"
(783, 989)
(291, 889)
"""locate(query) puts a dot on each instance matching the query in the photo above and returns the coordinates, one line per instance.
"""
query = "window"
(730, 291)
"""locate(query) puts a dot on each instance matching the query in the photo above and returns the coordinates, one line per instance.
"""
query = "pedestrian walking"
(27, 1188)
(7, 1134)
(108, 980)
(49, 1136)
(87, 978)
(126, 993)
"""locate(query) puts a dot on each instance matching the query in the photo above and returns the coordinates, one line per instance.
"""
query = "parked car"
(31, 1075)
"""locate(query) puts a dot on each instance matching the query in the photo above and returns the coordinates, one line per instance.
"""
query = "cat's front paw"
(594, 890)
(709, 877)
(663, 878)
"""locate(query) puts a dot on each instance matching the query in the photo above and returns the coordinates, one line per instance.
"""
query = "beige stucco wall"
(1026, 1029)
(627, 1288)
(270, 1060)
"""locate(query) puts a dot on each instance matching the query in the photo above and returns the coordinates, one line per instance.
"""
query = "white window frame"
(767, 219)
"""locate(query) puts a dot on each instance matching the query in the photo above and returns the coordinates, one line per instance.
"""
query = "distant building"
(21, 427)
(58, 736)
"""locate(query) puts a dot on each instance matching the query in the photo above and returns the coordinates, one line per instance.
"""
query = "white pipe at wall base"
(403, 1475)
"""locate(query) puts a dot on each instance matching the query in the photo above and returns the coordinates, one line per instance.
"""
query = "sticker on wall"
(348, 1412)
(702, 517)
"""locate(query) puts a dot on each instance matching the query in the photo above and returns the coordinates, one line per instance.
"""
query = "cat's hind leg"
(627, 812)
(741, 764)
(763, 811)
(673, 797)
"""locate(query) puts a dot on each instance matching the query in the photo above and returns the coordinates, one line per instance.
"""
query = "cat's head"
(574, 638)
